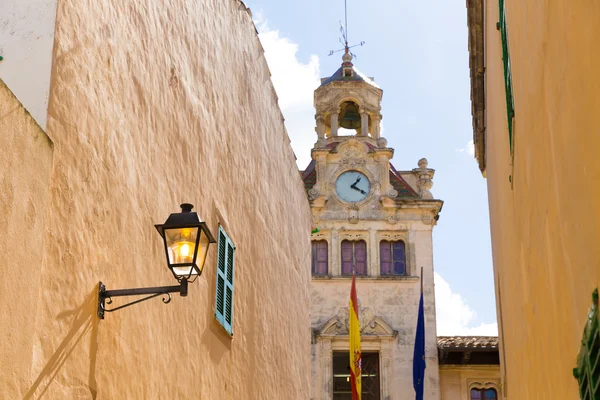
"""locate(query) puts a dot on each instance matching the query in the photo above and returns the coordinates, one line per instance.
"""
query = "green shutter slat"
(230, 262)
(222, 248)
(219, 309)
(228, 305)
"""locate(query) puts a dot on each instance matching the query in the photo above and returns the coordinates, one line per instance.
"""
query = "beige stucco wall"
(153, 104)
(25, 169)
(545, 229)
(456, 381)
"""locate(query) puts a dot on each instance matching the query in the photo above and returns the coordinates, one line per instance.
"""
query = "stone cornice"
(380, 278)
(476, 28)
(470, 367)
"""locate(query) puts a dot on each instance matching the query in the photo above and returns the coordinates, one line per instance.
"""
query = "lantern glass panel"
(202, 250)
(181, 248)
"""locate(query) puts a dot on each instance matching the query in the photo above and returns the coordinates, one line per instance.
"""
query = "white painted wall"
(26, 42)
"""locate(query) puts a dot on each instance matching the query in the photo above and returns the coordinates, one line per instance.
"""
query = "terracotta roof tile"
(467, 342)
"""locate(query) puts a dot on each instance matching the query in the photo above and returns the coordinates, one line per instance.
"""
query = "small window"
(319, 257)
(224, 300)
(587, 371)
(354, 257)
(370, 376)
(392, 257)
(484, 394)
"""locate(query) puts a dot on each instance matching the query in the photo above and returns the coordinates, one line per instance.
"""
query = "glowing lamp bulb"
(184, 250)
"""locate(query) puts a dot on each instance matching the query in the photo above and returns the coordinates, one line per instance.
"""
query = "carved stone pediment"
(352, 151)
(370, 324)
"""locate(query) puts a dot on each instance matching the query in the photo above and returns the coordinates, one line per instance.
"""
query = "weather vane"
(344, 32)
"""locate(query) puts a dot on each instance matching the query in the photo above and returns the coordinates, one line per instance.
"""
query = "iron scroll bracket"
(105, 296)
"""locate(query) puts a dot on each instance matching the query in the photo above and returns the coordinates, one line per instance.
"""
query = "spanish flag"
(355, 354)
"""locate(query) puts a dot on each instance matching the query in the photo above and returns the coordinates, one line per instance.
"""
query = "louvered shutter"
(399, 258)
(360, 257)
(385, 256)
(224, 292)
(346, 257)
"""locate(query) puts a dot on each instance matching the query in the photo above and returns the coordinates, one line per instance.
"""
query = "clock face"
(352, 186)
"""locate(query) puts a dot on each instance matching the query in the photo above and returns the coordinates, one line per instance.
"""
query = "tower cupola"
(350, 100)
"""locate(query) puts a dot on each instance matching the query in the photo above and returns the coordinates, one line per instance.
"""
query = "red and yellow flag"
(355, 354)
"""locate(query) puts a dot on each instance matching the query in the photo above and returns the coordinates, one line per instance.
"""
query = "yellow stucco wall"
(152, 104)
(546, 228)
(25, 168)
(456, 381)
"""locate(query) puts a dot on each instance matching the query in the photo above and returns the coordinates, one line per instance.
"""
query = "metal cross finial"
(344, 33)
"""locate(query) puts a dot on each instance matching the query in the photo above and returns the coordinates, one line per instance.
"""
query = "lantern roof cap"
(185, 219)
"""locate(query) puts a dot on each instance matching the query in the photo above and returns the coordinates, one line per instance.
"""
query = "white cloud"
(294, 82)
(469, 148)
(454, 316)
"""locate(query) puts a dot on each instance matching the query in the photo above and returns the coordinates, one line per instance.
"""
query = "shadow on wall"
(83, 319)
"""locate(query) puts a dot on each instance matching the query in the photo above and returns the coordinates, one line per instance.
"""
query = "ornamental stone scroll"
(354, 236)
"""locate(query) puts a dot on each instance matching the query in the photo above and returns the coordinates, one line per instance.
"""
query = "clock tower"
(376, 222)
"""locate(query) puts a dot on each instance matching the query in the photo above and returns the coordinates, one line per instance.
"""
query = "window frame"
(393, 261)
(376, 382)
(483, 390)
(314, 257)
(225, 270)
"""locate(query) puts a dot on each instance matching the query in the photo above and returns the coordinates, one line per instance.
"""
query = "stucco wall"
(25, 168)
(456, 381)
(153, 104)
(545, 229)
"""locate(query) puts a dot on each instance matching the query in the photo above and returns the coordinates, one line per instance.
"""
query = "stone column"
(327, 370)
(364, 123)
(373, 254)
(336, 268)
(320, 127)
(386, 361)
(376, 127)
(334, 124)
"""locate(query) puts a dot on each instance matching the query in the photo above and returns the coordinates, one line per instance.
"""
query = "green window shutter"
(510, 104)
(587, 371)
(224, 296)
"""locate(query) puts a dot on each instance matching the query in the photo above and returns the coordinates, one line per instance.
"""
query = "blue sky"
(417, 53)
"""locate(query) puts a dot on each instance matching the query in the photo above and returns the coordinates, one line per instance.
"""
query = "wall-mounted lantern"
(186, 239)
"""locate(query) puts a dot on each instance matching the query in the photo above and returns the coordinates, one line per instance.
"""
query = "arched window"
(392, 257)
(354, 257)
(484, 394)
(319, 257)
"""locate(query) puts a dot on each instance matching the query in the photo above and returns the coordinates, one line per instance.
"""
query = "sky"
(417, 52)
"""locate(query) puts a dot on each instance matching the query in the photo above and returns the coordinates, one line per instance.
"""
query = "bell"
(350, 116)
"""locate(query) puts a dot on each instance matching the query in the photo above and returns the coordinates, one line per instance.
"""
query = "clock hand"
(358, 190)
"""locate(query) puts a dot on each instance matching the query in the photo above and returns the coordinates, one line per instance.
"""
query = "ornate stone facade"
(394, 206)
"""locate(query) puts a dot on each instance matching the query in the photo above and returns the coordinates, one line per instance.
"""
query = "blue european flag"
(419, 354)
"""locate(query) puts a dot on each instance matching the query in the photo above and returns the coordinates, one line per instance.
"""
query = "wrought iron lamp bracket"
(105, 296)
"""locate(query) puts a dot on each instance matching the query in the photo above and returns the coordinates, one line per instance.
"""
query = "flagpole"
(421, 279)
